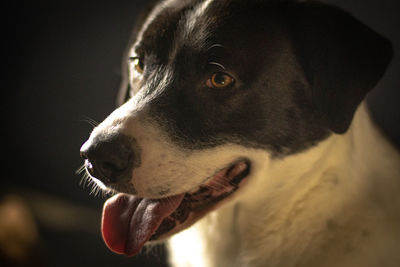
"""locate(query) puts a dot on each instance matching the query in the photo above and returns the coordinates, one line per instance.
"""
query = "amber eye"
(138, 64)
(220, 80)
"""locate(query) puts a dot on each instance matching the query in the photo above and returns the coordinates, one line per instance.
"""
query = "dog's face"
(216, 90)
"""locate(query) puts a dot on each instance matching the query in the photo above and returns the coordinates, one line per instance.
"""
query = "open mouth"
(129, 222)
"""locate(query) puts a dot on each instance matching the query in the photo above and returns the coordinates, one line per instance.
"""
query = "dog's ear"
(342, 58)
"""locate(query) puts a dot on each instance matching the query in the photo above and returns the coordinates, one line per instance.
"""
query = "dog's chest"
(240, 235)
(213, 241)
(220, 240)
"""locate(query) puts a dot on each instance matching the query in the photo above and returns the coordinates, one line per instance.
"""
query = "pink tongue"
(128, 222)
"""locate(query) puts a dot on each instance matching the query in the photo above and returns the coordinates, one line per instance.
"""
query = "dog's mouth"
(129, 222)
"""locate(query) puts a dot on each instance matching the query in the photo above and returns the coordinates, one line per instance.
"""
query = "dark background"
(62, 69)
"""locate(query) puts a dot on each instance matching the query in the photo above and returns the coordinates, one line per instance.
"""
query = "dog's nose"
(108, 160)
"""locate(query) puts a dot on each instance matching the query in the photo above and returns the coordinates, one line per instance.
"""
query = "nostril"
(114, 166)
(109, 159)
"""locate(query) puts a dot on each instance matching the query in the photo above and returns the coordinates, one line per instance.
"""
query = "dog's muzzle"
(109, 159)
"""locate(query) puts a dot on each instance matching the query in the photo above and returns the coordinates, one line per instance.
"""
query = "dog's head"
(215, 89)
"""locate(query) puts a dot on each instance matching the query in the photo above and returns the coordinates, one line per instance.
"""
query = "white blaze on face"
(196, 13)
(166, 169)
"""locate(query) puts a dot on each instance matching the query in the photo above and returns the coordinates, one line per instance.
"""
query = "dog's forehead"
(199, 24)
(189, 23)
(174, 22)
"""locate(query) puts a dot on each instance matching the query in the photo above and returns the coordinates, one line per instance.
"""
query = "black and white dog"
(244, 141)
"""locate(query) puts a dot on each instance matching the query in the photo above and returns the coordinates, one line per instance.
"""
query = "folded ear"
(342, 58)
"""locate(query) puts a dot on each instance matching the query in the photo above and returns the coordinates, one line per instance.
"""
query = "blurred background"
(62, 70)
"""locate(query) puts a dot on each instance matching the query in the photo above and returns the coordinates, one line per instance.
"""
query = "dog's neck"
(308, 202)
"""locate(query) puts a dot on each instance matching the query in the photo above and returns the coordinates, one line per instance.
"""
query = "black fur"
(301, 70)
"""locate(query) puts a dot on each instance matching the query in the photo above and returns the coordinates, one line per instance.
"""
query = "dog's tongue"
(128, 222)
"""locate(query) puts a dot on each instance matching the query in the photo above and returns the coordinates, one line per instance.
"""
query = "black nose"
(109, 159)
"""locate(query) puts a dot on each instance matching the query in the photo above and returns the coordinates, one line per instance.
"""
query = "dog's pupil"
(220, 79)
(141, 64)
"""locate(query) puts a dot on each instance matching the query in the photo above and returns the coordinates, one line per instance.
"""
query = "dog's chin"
(129, 222)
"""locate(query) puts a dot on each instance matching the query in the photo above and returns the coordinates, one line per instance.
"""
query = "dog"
(243, 139)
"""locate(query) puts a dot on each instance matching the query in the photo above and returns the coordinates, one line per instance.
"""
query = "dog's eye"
(220, 80)
(138, 64)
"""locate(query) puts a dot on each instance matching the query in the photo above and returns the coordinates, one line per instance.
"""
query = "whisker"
(96, 189)
(91, 121)
(80, 169)
(84, 180)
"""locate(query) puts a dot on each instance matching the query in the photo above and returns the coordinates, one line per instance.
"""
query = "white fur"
(337, 204)
(165, 168)
(193, 16)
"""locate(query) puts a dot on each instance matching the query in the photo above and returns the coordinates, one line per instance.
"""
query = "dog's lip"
(196, 204)
(129, 222)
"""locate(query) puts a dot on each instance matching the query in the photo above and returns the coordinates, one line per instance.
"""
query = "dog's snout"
(108, 160)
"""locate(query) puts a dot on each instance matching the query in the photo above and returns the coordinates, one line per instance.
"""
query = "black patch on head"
(285, 99)
(344, 59)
